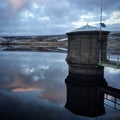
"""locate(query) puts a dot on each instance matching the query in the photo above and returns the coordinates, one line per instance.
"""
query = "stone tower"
(85, 75)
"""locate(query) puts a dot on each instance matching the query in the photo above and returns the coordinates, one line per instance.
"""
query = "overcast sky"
(55, 16)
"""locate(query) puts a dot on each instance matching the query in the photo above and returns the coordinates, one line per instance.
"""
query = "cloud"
(17, 4)
(94, 5)
(58, 9)
(53, 16)
(114, 18)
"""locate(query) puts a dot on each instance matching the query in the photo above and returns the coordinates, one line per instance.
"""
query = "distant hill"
(31, 38)
(34, 43)
(112, 45)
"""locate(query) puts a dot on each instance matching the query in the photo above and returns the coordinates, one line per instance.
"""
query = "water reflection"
(31, 71)
(112, 76)
(32, 86)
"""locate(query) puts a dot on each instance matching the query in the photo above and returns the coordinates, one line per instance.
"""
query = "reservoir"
(32, 86)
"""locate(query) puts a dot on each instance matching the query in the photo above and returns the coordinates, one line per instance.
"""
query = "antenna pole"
(100, 49)
(101, 13)
(100, 18)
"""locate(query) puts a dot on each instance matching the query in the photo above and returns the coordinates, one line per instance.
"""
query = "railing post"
(100, 61)
(118, 55)
(108, 54)
(115, 103)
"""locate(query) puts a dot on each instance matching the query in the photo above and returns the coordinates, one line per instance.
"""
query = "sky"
(43, 17)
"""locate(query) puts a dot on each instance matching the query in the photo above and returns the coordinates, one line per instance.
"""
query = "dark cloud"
(59, 8)
(111, 5)
(107, 5)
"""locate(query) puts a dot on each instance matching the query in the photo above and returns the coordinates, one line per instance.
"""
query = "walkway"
(113, 59)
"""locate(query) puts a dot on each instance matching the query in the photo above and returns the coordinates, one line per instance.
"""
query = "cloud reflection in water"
(112, 76)
(30, 71)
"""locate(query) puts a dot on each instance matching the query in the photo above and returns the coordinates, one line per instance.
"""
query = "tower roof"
(87, 28)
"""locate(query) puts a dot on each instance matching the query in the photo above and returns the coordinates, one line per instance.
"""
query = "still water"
(32, 85)
(39, 72)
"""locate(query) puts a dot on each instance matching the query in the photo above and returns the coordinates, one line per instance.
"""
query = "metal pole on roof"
(101, 13)
(100, 17)
(100, 52)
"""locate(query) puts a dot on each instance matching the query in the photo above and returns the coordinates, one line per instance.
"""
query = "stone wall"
(84, 49)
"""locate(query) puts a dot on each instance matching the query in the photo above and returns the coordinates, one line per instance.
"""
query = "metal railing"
(112, 102)
(109, 58)
(115, 54)
(112, 97)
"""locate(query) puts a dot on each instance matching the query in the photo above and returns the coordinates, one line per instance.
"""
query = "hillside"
(34, 43)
